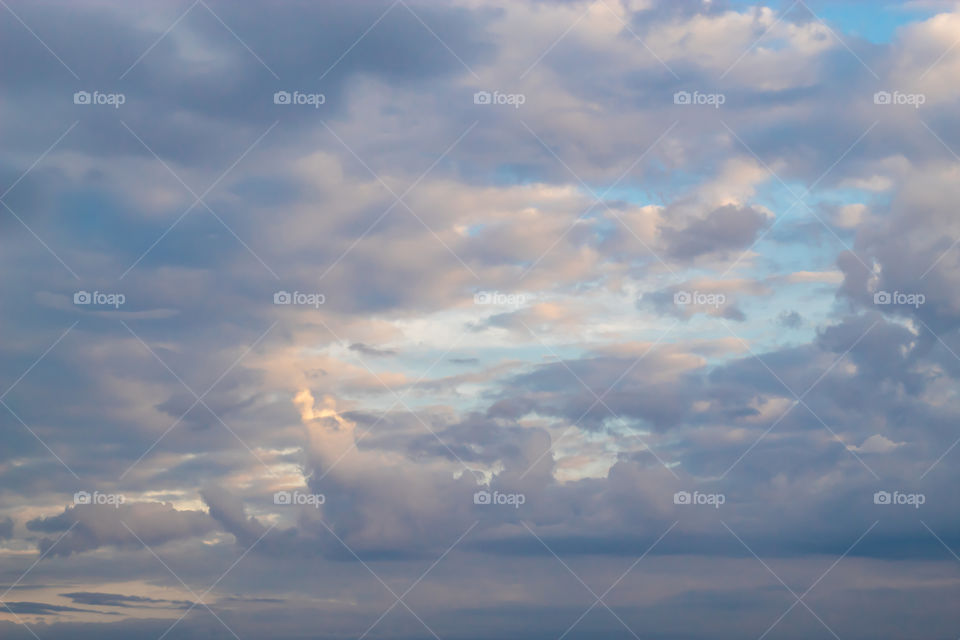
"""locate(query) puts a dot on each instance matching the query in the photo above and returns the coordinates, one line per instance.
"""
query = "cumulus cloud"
(87, 527)
(725, 229)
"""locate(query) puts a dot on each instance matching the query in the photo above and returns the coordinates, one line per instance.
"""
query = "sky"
(479, 319)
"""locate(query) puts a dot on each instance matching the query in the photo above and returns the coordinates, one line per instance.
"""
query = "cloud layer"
(540, 319)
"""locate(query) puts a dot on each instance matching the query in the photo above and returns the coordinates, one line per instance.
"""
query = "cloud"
(371, 351)
(123, 601)
(698, 314)
(6, 528)
(42, 609)
(725, 229)
(790, 319)
(228, 511)
(88, 527)
(877, 444)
